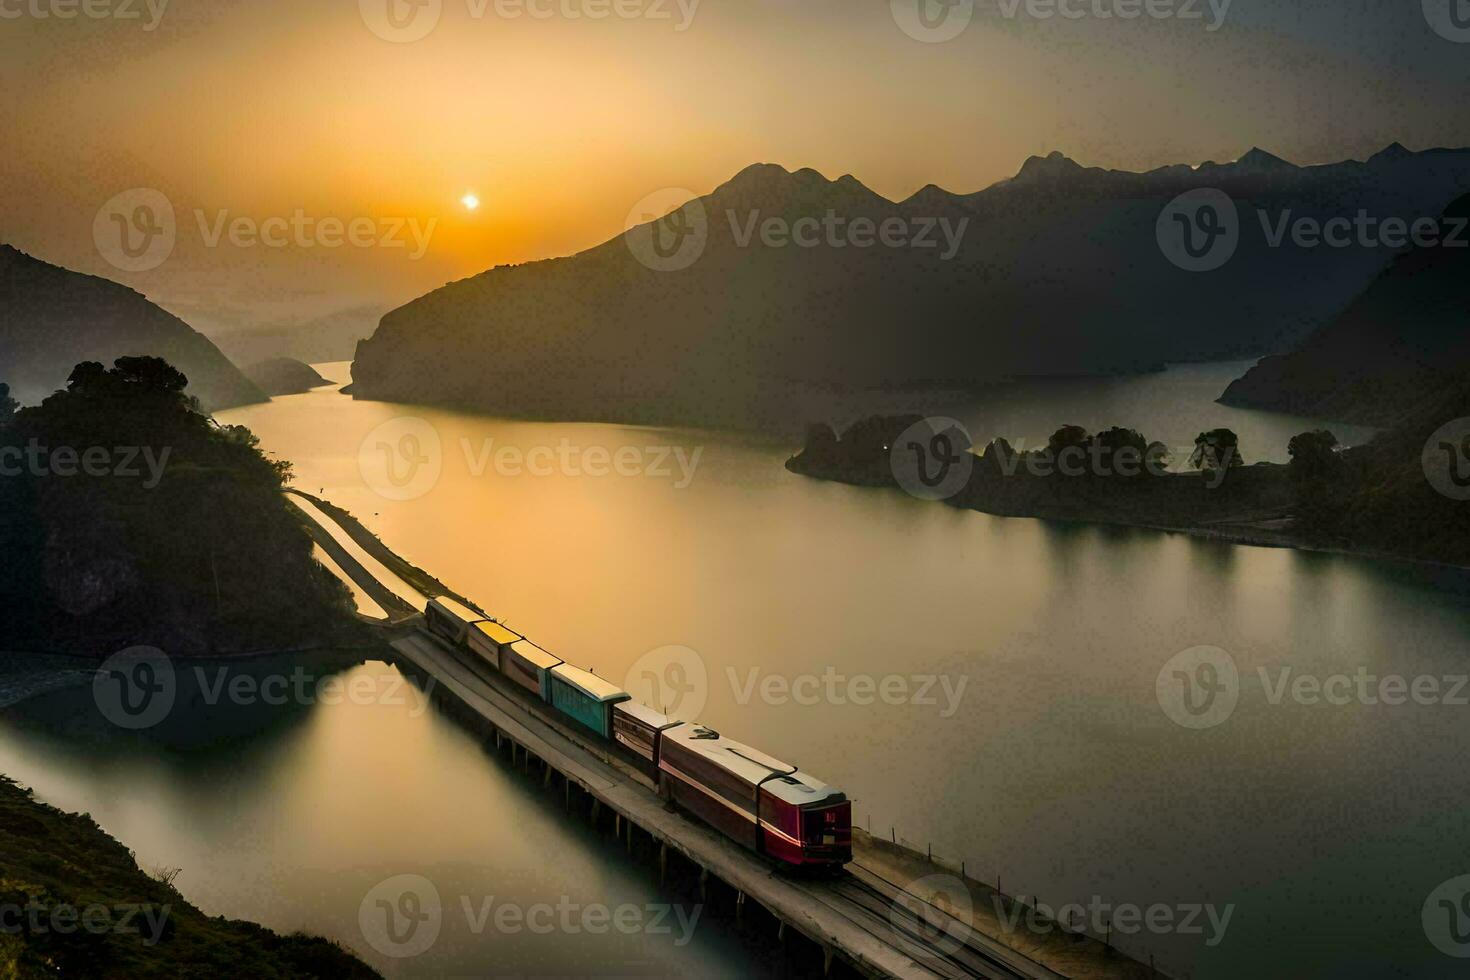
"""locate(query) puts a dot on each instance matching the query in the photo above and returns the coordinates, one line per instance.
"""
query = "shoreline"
(1249, 532)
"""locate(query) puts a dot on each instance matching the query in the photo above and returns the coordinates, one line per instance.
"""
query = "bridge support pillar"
(781, 932)
(826, 961)
(739, 905)
(703, 884)
(663, 862)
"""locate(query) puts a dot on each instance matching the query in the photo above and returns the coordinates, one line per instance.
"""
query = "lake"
(1010, 692)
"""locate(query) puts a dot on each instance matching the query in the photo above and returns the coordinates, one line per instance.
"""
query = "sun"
(470, 201)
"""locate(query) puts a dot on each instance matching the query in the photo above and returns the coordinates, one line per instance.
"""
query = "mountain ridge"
(52, 318)
(1056, 271)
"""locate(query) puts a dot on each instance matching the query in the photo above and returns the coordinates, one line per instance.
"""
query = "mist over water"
(1040, 751)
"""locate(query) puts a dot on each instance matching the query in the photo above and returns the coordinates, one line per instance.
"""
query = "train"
(760, 802)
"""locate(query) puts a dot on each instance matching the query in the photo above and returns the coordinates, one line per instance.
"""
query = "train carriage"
(451, 619)
(584, 697)
(637, 727)
(763, 803)
(529, 666)
(804, 821)
(490, 640)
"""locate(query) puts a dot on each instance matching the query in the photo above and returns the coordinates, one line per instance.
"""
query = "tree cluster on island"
(128, 517)
(1373, 498)
(865, 452)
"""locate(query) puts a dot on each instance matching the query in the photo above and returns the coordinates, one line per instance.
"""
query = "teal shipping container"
(585, 698)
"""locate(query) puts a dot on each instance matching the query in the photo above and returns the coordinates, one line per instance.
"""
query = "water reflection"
(1059, 772)
(295, 824)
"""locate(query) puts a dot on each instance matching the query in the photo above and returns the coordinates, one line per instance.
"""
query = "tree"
(1067, 437)
(1317, 471)
(1120, 452)
(8, 405)
(1315, 456)
(1218, 449)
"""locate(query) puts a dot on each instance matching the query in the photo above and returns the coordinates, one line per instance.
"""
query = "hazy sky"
(559, 115)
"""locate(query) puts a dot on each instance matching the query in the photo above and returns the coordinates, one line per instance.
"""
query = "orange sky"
(560, 123)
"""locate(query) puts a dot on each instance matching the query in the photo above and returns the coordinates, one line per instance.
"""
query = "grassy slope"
(54, 859)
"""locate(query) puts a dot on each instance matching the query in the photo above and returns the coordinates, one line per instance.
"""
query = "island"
(284, 376)
(1373, 499)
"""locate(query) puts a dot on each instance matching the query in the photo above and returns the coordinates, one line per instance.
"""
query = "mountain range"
(1058, 270)
(1403, 344)
(51, 319)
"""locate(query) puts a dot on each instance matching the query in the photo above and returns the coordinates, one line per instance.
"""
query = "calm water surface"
(1047, 759)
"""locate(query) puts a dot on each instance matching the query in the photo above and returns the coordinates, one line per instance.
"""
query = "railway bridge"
(859, 920)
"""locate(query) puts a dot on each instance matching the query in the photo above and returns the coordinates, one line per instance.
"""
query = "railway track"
(879, 915)
(929, 936)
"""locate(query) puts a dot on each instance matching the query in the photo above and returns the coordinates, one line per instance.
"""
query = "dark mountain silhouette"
(1399, 347)
(1058, 272)
(284, 376)
(51, 319)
